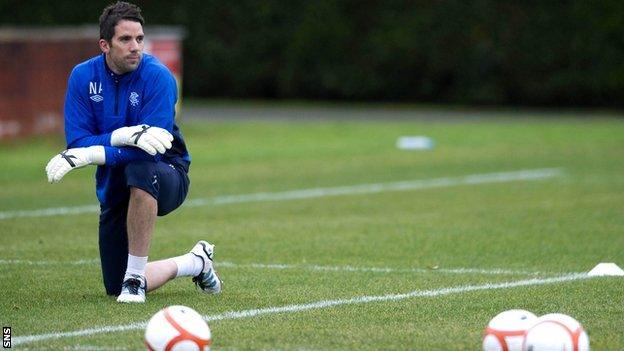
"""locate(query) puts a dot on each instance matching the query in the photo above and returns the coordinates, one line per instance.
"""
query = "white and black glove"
(71, 159)
(150, 139)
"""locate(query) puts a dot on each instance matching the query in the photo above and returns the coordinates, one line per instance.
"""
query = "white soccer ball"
(177, 328)
(555, 332)
(505, 332)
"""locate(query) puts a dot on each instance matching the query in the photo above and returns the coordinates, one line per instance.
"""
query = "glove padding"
(71, 159)
(150, 139)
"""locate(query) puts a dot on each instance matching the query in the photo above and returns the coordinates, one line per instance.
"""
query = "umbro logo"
(96, 98)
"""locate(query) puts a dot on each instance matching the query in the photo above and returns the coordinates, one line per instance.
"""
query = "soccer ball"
(505, 332)
(177, 328)
(556, 331)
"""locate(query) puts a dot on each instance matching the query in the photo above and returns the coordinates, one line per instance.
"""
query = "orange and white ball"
(505, 332)
(177, 328)
(554, 332)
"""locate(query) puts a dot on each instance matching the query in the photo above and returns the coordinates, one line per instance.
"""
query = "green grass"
(553, 226)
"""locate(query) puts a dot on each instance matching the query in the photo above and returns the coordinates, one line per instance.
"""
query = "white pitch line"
(50, 212)
(522, 175)
(80, 347)
(381, 187)
(49, 263)
(19, 340)
(313, 267)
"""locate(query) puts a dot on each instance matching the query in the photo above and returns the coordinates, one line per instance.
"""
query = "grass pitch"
(368, 270)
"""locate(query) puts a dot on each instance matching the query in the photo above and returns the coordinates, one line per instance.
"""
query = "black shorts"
(167, 183)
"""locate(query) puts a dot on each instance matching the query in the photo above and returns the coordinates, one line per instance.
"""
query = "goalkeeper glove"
(71, 159)
(150, 139)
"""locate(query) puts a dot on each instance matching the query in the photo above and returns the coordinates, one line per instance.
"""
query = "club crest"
(134, 98)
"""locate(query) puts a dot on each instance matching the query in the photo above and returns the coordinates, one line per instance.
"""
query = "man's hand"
(70, 159)
(150, 139)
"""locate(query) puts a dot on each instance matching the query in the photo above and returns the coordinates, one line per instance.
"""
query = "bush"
(480, 52)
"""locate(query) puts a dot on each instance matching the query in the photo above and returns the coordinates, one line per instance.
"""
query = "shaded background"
(546, 53)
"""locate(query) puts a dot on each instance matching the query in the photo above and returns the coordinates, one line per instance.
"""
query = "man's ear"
(104, 46)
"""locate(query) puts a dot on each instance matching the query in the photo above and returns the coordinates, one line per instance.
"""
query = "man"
(119, 115)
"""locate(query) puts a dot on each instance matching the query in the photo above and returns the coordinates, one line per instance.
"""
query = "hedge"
(566, 53)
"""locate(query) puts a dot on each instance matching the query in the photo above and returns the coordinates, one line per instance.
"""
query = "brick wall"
(35, 64)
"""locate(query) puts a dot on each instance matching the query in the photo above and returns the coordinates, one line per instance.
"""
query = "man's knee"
(143, 176)
(167, 184)
(143, 170)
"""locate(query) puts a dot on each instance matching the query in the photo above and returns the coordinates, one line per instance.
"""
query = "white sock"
(189, 265)
(136, 265)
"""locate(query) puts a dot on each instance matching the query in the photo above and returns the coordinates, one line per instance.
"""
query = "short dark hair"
(116, 12)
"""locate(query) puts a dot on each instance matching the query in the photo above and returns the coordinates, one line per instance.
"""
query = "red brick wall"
(34, 68)
(33, 79)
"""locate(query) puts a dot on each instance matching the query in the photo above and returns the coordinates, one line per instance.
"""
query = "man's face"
(124, 52)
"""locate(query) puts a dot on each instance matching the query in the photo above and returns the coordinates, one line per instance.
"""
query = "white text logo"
(95, 88)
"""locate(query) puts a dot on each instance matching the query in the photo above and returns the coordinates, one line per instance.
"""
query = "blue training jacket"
(99, 101)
